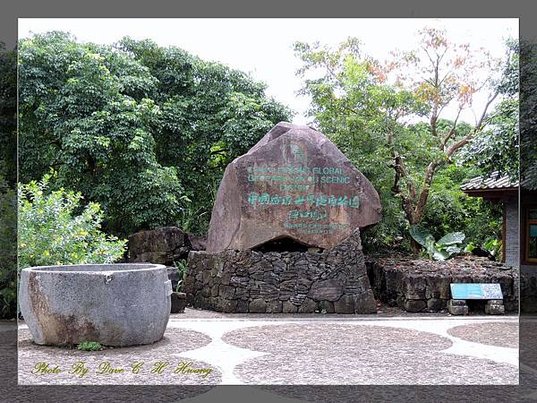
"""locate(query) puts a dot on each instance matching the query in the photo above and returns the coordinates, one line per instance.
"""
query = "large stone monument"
(294, 183)
(285, 231)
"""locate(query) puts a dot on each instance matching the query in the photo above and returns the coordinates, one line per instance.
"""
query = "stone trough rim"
(113, 267)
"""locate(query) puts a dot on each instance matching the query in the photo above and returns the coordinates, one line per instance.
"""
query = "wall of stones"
(331, 281)
(162, 245)
(512, 234)
(424, 286)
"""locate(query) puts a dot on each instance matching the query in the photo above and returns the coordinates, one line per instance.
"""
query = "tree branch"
(478, 127)
(452, 130)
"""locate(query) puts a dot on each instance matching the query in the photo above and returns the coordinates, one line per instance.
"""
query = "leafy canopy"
(388, 117)
(143, 130)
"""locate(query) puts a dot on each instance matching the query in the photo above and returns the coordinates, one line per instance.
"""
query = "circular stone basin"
(113, 304)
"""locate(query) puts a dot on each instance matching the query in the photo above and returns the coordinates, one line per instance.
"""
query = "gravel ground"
(298, 350)
(384, 311)
(493, 334)
(168, 351)
(347, 354)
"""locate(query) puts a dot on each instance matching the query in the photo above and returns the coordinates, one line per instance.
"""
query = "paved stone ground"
(304, 349)
(493, 333)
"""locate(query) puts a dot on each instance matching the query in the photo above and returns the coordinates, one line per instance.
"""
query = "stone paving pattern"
(169, 350)
(304, 349)
(343, 354)
(494, 334)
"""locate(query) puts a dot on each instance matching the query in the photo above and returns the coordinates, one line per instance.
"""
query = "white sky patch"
(263, 47)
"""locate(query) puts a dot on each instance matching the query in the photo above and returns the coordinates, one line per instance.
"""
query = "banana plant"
(444, 248)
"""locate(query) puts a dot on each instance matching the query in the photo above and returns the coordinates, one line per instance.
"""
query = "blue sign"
(476, 291)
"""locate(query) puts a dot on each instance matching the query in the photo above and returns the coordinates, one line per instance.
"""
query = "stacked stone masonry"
(331, 281)
(424, 286)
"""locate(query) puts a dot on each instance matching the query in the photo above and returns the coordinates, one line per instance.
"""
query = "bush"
(90, 346)
(8, 251)
(55, 229)
(443, 249)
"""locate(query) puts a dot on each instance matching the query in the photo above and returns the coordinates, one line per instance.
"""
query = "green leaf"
(452, 238)
(421, 235)
(440, 255)
(453, 250)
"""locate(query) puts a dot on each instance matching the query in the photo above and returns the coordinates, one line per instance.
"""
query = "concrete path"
(208, 348)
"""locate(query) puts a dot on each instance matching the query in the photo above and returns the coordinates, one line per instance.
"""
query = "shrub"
(443, 249)
(55, 229)
(90, 346)
(8, 251)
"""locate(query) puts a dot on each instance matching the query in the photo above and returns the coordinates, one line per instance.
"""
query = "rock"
(436, 305)
(494, 307)
(344, 305)
(308, 306)
(365, 303)
(294, 183)
(66, 305)
(415, 305)
(163, 245)
(257, 306)
(457, 307)
(329, 290)
(326, 307)
(274, 307)
(224, 305)
(288, 307)
(226, 292)
(297, 299)
(197, 242)
(242, 306)
(268, 291)
(307, 283)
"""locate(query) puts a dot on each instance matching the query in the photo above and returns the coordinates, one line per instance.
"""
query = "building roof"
(494, 187)
(493, 182)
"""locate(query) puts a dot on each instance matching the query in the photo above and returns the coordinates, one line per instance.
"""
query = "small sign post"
(460, 292)
(476, 291)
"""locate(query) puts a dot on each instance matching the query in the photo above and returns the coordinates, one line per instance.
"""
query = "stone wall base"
(329, 281)
(424, 286)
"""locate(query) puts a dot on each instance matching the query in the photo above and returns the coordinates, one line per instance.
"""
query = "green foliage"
(528, 115)
(497, 148)
(145, 131)
(443, 249)
(8, 251)
(8, 178)
(494, 247)
(8, 114)
(449, 209)
(90, 346)
(182, 268)
(54, 229)
(388, 122)
(211, 114)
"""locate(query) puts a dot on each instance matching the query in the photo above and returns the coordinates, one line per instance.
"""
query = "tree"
(528, 115)
(76, 115)
(140, 129)
(8, 114)
(391, 114)
(8, 177)
(496, 149)
(211, 114)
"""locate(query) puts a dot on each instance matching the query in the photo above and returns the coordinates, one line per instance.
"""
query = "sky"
(263, 47)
